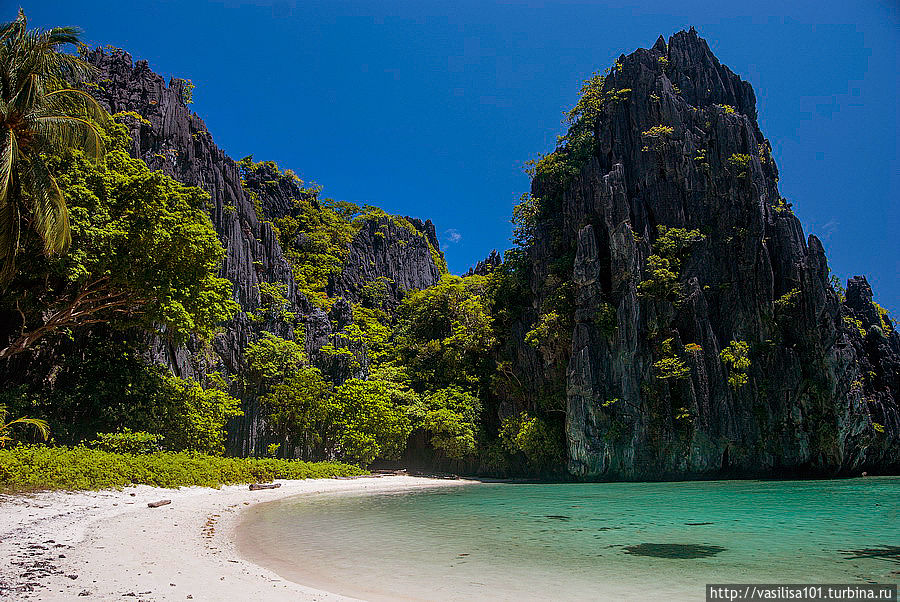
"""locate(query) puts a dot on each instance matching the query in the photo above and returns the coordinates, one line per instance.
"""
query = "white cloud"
(828, 229)
(452, 235)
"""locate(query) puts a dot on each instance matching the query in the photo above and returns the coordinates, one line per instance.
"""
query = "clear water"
(581, 541)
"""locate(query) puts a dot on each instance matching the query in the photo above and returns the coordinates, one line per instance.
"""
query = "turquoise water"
(581, 541)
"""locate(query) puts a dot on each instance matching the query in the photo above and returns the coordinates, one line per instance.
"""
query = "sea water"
(581, 541)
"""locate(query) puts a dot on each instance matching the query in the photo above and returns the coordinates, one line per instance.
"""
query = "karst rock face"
(177, 142)
(678, 146)
(397, 251)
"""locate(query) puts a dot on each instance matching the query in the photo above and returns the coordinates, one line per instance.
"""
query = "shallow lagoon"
(589, 541)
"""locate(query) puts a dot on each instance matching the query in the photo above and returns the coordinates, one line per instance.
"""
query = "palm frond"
(41, 426)
(9, 149)
(61, 133)
(39, 53)
(28, 91)
(13, 28)
(49, 214)
(40, 112)
(78, 103)
(10, 232)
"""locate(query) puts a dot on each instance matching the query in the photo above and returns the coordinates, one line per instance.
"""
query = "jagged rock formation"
(486, 266)
(676, 144)
(404, 247)
(174, 140)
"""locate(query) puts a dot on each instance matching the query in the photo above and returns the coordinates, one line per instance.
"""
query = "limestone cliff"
(648, 393)
(171, 138)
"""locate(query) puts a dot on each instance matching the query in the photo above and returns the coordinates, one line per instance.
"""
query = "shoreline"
(107, 544)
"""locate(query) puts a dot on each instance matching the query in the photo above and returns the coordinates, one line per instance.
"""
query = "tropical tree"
(6, 427)
(144, 254)
(40, 115)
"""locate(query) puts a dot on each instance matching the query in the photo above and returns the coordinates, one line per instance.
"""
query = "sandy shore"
(108, 544)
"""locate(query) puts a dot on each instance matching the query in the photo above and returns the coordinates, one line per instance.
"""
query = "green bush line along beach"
(35, 467)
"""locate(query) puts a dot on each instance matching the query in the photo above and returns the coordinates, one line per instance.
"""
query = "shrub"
(662, 280)
(540, 442)
(885, 318)
(368, 424)
(782, 206)
(788, 300)
(30, 467)
(855, 324)
(127, 442)
(670, 366)
(663, 267)
(297, 411)
(739, 163)
(606, 319)
(194, 417)
(451, 417)
(659, 131)
(736, 359)
(546, 331)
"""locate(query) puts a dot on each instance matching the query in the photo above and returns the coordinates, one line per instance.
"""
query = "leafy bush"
(194, 418)
(788, 300)
(855, 324)
(670, 366)
(524, 219)
(270, 359)
(108, 386)
(662, 280)
(368, 424)
(606, 319)
(546, 331)
(30, 467)
(297, 411)
(540, 442)
(451, 416)
(375, 292)
(735, 357)
(127, 442)
(663, 267)
(884, 317)
(739, 163)
(445, 334)
(274, 303)
(659, 131)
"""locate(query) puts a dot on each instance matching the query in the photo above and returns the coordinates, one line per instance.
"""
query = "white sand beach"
(109, 544)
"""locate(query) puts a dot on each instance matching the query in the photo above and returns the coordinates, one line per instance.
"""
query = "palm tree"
(41, 426)
(40, 115)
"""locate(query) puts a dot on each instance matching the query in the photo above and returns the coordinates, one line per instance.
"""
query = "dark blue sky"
(430, 108)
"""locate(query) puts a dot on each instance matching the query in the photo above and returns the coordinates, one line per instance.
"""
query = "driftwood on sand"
(256, 486)
(159, 503)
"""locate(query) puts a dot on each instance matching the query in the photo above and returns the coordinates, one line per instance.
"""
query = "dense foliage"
(143, 253)
(107, 387)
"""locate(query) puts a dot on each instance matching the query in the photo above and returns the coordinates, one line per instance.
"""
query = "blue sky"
(430, 108)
